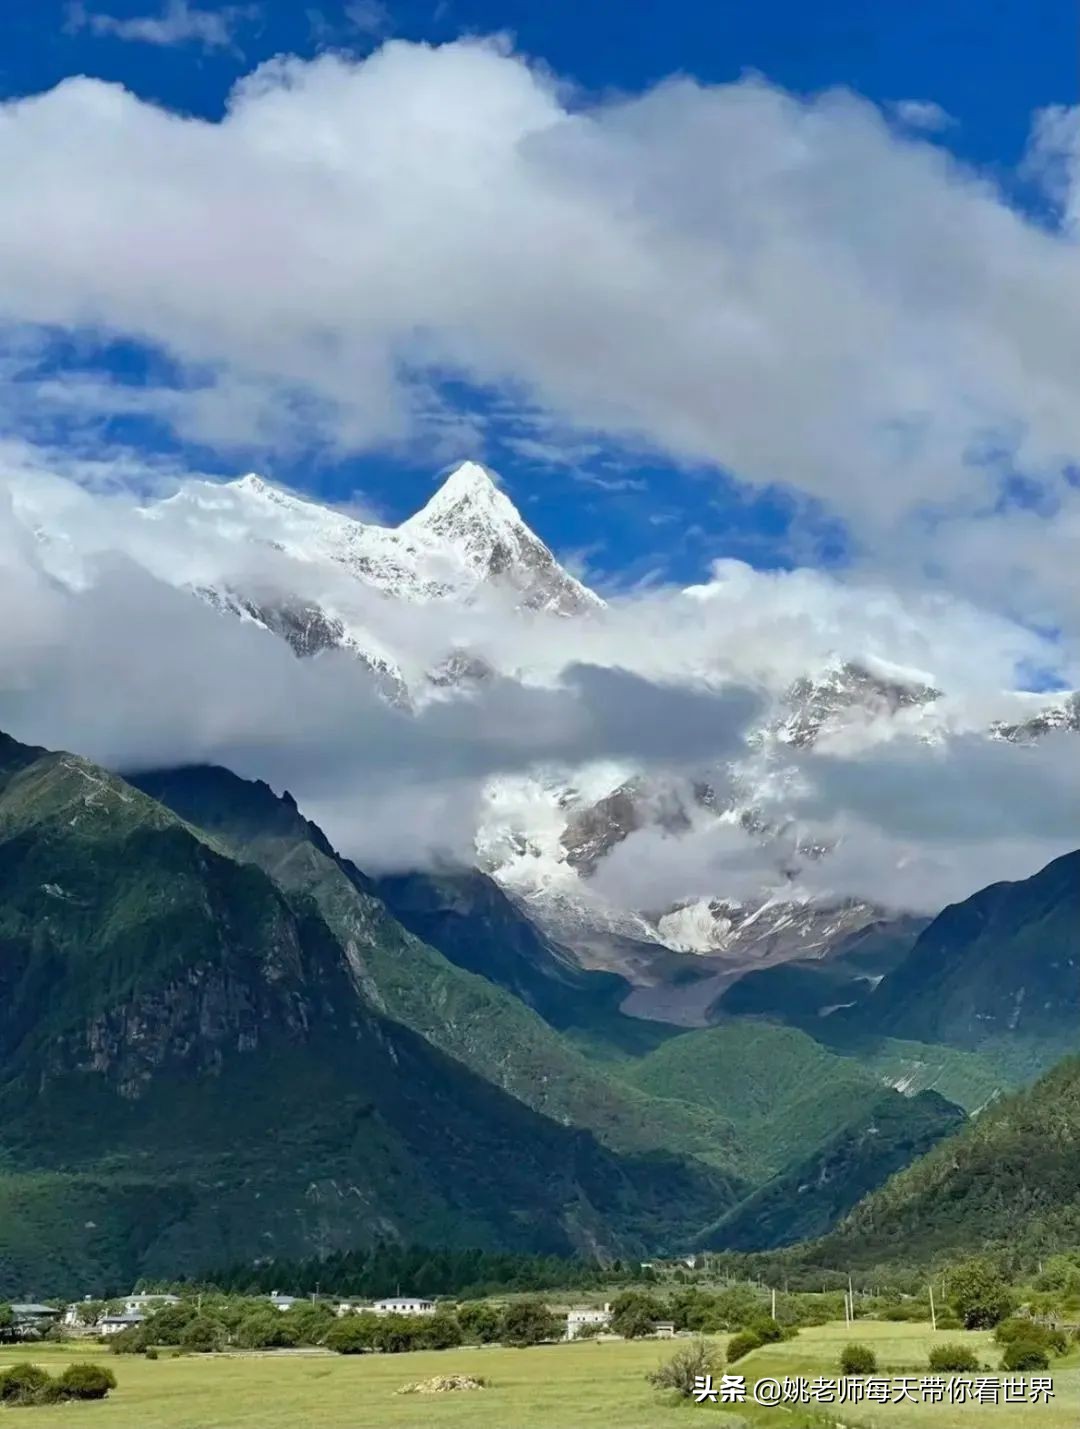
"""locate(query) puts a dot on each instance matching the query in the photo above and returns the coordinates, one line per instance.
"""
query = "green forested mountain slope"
(999, 972)
(471, 921)
(782, 1092)
(217, 1041)
(786, 1093)
(465, 1015)
(808, 1198)
(1011, 1177)
(193, 1069)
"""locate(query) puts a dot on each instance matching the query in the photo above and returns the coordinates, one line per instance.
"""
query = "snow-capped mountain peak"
(468, 539)
(483, 526)
(469, 491)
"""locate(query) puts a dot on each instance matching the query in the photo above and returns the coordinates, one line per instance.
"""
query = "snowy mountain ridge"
(468, 539)
(463, 591)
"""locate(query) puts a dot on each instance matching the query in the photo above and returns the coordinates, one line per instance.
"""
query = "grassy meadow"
(572, 1386)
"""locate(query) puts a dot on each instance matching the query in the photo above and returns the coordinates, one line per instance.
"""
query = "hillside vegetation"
(195, 1067)
(1010, 1178)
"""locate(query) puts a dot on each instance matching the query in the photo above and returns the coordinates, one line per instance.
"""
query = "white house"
(113, 1324)
(284, 1302)
(32, 1320)
(352, 1307)
(576, 1320)
(147, 1304)
(404, 1305)
(71, 1316)
(141, 1305)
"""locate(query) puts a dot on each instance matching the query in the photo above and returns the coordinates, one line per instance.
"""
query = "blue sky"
(631, 512)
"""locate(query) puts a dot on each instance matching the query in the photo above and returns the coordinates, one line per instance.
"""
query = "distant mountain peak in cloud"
(471, 513)
(748, 843)
(468, 538)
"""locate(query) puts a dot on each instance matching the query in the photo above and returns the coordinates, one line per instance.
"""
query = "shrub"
(479, 1322)
(86, 1381)
(980, 1294)
(634, 1313)
(949, 1321)
(741, 1345)
(858, 1359)
(204, 1335)
(1056, 1340)
(266, 1330)
(167, 1325)
(132, 1341)
(309, 1324)
(768, 1330)
(1020, 1328)
(151, 1352)
(529, 1322)
(1025, 1354)
(952, 1359)
(736, 1307)
(351, 1335)
(440, 1331)
(24, 1383)
(694, 1360)
(905, 1310)
(394, 1334)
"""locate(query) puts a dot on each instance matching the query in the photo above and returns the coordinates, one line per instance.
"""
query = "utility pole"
(774, 1303)
(933, 1314)
(851, 1295)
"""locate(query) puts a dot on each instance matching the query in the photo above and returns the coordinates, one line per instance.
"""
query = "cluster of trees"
(212, 1323)
(523, 1322)
(468, 1274)
(207, 1323)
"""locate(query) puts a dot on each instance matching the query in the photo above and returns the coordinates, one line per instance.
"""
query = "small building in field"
(404, 1305)
(72, 1317)
(664, 1329)
(284, 1302)
(352, 1307)
(147, 1304)
(113, 1324)
(32, 1320)
(576, 1320)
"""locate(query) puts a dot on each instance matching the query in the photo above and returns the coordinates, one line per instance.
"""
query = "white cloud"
(792, 290)
(135, 672)
(788, 289)
(922, 114)
(116, 664)
(909, 825)
(179, 23)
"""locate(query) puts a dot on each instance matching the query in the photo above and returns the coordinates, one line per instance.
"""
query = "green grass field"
(555, 1386)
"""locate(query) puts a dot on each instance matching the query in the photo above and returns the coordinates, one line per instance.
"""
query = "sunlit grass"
(555, 1386)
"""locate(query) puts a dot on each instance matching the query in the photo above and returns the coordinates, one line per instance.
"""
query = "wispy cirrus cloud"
(179, 23)
(370, 17)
